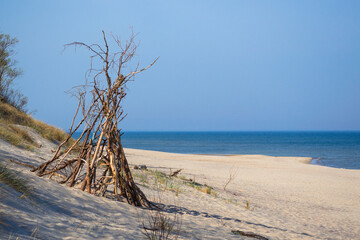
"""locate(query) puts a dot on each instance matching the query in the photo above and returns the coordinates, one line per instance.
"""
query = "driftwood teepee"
(96, 160)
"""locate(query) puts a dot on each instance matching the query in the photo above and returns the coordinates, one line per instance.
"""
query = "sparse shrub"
(8, 73)
(157, 225)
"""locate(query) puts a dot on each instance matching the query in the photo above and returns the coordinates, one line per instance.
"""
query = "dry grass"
(13, 180)
(10, 116)
(202, 188)
(17, 137)
(176, 184)
(159, 226)
(49, 132)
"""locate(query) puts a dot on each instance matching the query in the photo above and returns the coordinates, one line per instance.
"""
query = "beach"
(272, 197)
(179, 120)
(288, 198)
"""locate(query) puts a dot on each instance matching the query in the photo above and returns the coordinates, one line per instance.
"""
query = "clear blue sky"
(224, 65)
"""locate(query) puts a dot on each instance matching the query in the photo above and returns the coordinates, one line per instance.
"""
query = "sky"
(223, 65)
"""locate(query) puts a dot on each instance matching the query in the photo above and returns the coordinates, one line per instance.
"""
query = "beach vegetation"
(174, 184)
(10, 117)
(23, 134)
(160, 177)
(143, 177)
(232, 174)
(17, 137)
(160, 226)
(157, 223)
(174, 187)
(33, 235)
(182, 177)
(232, 201)
(247, 205)
(201, 187)
(14, 180)
(9, 73)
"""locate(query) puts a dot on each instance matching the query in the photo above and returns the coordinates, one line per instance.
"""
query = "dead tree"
(96, 160)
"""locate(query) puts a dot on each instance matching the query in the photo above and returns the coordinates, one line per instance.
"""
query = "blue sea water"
(333, 149)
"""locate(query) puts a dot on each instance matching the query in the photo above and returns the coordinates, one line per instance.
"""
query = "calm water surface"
(333, 149)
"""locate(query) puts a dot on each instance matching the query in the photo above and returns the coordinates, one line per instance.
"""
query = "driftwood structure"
(96, 161)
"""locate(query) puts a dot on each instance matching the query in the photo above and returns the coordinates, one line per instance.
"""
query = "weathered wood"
(175, 173)
(249, 234)
(100, 119)
(21, 163)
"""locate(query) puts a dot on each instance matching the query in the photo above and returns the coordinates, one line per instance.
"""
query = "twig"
(249, 234)
(21, 163)
(232, 175)
(175, 173)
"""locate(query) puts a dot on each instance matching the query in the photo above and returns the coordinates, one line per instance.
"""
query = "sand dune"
(275, 197)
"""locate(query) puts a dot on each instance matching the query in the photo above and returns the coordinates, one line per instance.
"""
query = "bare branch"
(136, 72)
(101, 137)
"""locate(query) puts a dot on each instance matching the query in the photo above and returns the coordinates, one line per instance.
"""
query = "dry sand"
(275, 197)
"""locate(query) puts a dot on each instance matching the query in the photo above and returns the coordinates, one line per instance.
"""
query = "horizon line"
(214, 131)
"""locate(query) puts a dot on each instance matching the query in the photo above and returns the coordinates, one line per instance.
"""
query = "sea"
(332, 149)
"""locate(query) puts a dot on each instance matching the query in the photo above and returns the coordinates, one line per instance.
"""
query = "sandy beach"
(213, 120)
(273, 197)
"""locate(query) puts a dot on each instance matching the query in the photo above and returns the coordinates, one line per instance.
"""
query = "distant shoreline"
(338, 149)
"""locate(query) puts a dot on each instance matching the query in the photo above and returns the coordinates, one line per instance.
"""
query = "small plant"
(247, 205)
(160, 178)
(140, 177)
(206, 189)
(232, 201)
(174, 187)
(159, 226)
(33, 235)
(143, 178)
(194, 185)
(182, 177)
(232, 175)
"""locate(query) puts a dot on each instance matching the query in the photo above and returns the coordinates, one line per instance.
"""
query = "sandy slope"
(286, 199)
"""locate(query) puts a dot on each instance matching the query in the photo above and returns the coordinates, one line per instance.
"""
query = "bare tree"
(96, 160)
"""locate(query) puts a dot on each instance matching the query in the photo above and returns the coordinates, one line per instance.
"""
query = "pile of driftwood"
(96, 161)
